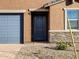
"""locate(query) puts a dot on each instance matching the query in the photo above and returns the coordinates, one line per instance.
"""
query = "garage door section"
(11, 28)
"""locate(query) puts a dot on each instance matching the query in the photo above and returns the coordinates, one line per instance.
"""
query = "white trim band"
(12, 11)
(63, 31)
(37, 9)
(71, 8)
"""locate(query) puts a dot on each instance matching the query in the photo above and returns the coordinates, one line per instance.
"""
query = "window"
(69, 2)
(76, 0)
(73, 16)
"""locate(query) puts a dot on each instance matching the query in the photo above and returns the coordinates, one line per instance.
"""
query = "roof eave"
(52, 3)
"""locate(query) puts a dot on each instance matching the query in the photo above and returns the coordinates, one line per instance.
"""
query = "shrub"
(61, 45)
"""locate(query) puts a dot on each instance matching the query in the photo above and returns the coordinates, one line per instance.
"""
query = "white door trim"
(65, 19)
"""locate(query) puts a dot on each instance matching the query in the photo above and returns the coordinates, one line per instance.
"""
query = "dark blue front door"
(40, 28)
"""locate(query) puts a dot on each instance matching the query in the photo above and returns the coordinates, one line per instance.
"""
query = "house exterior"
(38, 20)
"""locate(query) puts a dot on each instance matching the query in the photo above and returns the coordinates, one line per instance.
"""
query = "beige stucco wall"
(57, 15)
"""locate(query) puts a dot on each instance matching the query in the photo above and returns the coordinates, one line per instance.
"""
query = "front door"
(39, 27)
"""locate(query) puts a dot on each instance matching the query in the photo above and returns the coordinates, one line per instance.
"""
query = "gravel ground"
(36, 51)
(44, 51)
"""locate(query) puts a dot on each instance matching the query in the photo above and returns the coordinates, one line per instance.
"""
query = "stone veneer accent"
(55, 36)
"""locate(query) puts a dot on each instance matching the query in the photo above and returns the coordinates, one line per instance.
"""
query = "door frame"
(47, 24)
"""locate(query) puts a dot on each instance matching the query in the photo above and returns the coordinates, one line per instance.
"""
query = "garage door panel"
(9, 40)
(10, 26)
(3, 40)
(13, 40)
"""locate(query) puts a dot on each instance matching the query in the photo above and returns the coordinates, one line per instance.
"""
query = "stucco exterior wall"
(23, 5)
(57, 15)
(57, 22)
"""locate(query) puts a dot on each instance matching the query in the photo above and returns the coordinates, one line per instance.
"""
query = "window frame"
(65, 11)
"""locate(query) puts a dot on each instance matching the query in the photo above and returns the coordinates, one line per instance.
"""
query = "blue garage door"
(11, 28)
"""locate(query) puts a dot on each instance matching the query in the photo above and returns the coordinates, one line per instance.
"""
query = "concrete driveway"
(9, 51)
